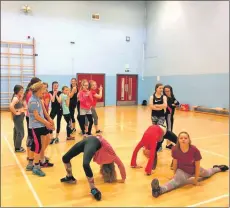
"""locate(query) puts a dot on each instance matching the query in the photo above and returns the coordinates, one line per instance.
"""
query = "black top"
(73, 100)
(157, 101)
(171, 101)
(55, 104)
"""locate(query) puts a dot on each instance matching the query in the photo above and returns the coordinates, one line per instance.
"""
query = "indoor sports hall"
(114, 103)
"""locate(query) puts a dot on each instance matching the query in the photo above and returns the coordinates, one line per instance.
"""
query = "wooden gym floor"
(123, 127)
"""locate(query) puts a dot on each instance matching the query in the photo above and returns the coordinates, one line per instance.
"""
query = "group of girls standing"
(35, 105)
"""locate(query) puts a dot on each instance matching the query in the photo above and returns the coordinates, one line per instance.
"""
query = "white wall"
(100, 46)
(187, 37)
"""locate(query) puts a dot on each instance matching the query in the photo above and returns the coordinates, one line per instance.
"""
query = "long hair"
(36, 87)
(108, 173)
(91, 82)
(83, 82)
(158, 85)
(178, 143)
(55, 82)
(17, 89)
(171, 91)
(71, 87)
(32, 81)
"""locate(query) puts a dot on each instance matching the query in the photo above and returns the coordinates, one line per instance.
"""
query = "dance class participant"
(27, 96)
(46, 99)
(169, 115)
(56, 110)
(64, 99)
(149, 141)
(86, 100)
(158, 105)
(39, 126)
(187, 170)
(100, 150)
(17, 109)
(93, 88)
(73, 102)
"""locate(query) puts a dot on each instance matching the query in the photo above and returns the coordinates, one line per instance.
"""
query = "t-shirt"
(65, 108)
(46, 98)
(94, 103)
(35, 104)
(86, 99)
(186, 161)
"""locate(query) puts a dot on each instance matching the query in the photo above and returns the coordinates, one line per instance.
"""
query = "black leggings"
(78, 112)
(53, 114)
(89, 146)
(169, 121)
(170, 136)
(72, 111)
(67, 118)
(82, 123)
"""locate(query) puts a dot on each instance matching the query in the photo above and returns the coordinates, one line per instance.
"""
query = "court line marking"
(209, 200)
(213, 153)
(23, 173)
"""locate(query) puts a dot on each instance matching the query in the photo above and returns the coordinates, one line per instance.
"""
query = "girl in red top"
(152, 136)
(46, 97)
(100, 150)
(86, 100)
(93, 90)
(186, 166)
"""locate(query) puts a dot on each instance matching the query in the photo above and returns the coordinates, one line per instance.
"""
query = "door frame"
(103, 94)
(127, 75)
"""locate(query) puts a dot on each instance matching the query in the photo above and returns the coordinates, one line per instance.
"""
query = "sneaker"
(70, 138)
(20, 150)
(73, 130)
(169, 146)
(54, 140)
(69, 179)
(96, 193)
(38, 172)
(29, 167)
(160, 149)
(156, 191)
(223, 168)
(98, 132)
(46, 164)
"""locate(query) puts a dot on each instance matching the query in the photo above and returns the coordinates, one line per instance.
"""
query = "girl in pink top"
(86, 100)
(186, 166)
(96, 96)
(98, 149)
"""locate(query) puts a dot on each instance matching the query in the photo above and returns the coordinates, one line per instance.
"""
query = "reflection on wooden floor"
(123, 127)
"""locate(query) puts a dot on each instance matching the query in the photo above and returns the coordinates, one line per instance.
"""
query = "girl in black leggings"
(172, 103)
(73, 102)
(102, 153)
(56, 110)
